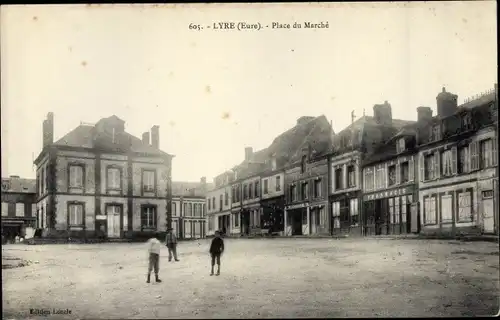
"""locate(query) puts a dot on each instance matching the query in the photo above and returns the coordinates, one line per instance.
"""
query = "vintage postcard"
(249, 160)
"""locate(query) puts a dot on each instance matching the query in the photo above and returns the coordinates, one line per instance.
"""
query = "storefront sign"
(100, 217)
(297, 206)
(388, 194)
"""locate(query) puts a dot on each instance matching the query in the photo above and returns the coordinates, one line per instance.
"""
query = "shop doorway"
(295, 217)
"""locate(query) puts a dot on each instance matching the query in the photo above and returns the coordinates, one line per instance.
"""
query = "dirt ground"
(259, 279)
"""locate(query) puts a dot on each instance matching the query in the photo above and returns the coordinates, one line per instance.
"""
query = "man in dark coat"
(216, 250)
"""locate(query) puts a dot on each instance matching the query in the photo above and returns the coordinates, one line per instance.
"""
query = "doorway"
(296, 221)
(488, 212)
(113, 213)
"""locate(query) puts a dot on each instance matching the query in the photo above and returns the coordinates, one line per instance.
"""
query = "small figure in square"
(216, 250)
(171, 243)
(154, 246)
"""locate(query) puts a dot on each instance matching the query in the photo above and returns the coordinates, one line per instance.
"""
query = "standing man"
(154, 246)
(171, 242)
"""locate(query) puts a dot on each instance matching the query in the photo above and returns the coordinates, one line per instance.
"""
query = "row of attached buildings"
(436, 175)
(99, 180)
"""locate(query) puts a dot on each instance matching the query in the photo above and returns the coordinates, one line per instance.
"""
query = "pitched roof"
(314, 131)
(187, 189)
(84, 136)
(18, 185)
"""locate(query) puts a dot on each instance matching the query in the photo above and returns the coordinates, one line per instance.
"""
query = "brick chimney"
(248, 153)
(145, 138)
(447, 103)
(383, 113)
(424, 114)
(155, 136)
(48, 130)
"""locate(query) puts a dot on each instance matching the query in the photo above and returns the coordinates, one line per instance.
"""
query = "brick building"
(99, 178)
(18, 207)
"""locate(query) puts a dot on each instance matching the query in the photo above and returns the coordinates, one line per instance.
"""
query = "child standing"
(154, 257)
(216, 250)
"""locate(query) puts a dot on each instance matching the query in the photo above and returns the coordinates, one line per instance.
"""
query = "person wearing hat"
(216, 250)
(171, 243)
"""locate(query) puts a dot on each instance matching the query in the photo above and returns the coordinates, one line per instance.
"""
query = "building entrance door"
(488, 212)
(113, 219)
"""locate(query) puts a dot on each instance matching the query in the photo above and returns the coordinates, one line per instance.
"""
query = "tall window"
(353, 209)
(464, 207)
(209, 202)
(266, 186)
(211, 223)
(336, 214)
(19, 209)
(43, 180)
(75, 177)
(257, 189)
(401, 147)
(174, 208)
(5, 209)
(190, 209)
(76, 214)
(245, 192)
(226, 198)
(305, 191)
(392, 175)
(339, 179)
(236, 220)
(114, 176)
(446, 163)
(486, 153)
(405, 171)
(380, 178)
(148, 181)
(430, 210)
(463, 160)
(429, 166)
(435, 133)
(213, 203)
(293, 193)
(369, 179)
(278, 183)
(148, 217)
(221, 200)
(351, 176)
(250, 191)
(317, 188)
(303, 164)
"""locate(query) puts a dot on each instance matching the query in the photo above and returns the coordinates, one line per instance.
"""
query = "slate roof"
(18, 185)
(186, 189)
(84, 136)
(314, 131)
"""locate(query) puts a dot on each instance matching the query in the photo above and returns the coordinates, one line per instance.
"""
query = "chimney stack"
(145, 138)
(48, 130)
(248, 153)
(447, 103)
(203, 180)
(383, 113)
(155, 136)
(424, 114)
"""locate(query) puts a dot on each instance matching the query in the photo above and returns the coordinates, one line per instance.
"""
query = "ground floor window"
(447, 208)
(75, 214)
(465, 207)
(353, 208)
(336, 214)
(304, 217)
(148, 217)
(404, 208)
(323, 217)
(236, 220)
(211, 221)
(430, 210)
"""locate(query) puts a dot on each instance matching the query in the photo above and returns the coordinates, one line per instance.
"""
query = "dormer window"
(401, 146)
(466, 121)
(303, 164)
(435, 132)
(273, 164)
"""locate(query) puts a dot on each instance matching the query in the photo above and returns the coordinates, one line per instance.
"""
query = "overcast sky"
(214, 92)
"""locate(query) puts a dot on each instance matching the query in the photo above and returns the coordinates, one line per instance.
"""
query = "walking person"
(216, 250)
(171, 243)
(154, 246)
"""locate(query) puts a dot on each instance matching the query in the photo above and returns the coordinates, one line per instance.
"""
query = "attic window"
(303, 164)
(401, 147)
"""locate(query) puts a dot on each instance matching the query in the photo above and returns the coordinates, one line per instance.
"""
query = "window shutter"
(474, 156)
(422, 168)
(398, 174)
(494, 149)
(454, 161)
(437, 162)
(411, 168)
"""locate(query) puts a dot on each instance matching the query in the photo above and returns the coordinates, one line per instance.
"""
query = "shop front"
(318, 216)
(273, 214)
(346, 215)
(297, 219)
(251, 220)
(389, 212)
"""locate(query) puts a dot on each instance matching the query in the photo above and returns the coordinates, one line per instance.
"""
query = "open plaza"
(260, 278)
